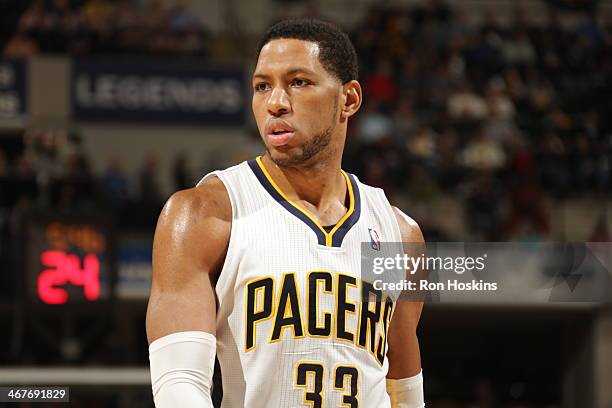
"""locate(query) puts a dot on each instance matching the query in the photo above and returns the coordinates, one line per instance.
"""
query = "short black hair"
(336, 52)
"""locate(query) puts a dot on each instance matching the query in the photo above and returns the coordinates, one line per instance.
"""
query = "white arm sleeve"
(182, 366)
(406, 392)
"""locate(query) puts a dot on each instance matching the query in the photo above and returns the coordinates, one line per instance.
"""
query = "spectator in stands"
(583, 163)
(116, 184)
(181, 17)
(131, 33)
(150, 191)
(421, 147)
(409, 79)
(24, 165)
(373, 125)
(552, 158)
(181, 173)
(147, 202)
(33, 18)
(405, 119)
(465, 104)
(76, 160)
(20, 46)
(527, 217)
(603, 166)
(500, 106)
(64, 24)
(483, 153)
(601, 233)
(380, 86)
(450, 170)
(98, 13)
(4, 165)
(156, 15)
(483, 208)
(518, 49)
(98, 19)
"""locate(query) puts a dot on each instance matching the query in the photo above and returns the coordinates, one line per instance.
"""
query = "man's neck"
(321, 185)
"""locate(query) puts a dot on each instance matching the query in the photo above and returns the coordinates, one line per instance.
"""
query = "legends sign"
(157, 93)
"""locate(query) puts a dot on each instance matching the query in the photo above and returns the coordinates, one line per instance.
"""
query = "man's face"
(295, 101)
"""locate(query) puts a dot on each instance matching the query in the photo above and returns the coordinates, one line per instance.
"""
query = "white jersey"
(291, 329)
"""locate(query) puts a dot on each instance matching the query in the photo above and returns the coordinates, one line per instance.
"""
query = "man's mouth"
(280, 137)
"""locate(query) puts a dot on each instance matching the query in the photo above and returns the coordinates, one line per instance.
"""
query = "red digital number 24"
(67, 269)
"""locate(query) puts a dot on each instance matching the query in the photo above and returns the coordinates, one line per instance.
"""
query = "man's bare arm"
(403, 353)
(190, 244)
(189, 249)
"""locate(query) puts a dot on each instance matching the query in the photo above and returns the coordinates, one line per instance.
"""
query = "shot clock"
(68, 260)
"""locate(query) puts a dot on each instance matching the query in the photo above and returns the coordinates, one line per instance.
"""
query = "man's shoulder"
(227, 171)
(409, 228)
(209, 199)
(189, 218)
(369, 189)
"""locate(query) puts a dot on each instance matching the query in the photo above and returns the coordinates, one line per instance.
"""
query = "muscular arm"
(403, 353)
(189, 248)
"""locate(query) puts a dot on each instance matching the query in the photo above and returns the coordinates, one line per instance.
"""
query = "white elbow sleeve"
(182, 366)
(406, 392)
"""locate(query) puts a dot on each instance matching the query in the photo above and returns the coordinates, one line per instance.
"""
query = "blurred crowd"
(502, 115)
(51, 169)
(95, 27)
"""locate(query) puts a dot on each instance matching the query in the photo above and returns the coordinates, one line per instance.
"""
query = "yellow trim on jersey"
(328, 235)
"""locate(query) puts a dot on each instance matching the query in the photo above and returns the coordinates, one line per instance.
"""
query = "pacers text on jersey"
(305, 318)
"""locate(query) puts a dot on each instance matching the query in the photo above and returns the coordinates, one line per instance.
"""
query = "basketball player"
(260, 263)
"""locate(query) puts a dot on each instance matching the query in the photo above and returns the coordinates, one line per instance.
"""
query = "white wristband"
(406, 392)
(182, 366)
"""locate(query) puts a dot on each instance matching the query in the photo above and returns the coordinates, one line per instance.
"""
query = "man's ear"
(352, 99)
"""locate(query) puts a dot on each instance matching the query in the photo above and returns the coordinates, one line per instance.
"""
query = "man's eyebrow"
(299, 70)
(262, 76)
(291, 71)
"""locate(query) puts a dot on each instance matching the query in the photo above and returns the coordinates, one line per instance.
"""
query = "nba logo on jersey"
(374, 239)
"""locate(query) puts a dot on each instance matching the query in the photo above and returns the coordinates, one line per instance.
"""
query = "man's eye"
(299, 82)
(262, 87)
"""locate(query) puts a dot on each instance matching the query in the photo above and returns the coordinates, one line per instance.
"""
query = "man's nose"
(278, 102)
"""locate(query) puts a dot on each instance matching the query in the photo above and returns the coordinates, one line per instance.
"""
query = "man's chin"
(285, 155)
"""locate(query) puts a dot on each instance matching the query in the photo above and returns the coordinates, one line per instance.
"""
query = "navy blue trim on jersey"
(323, 237)
(354, 217)
(281, 200)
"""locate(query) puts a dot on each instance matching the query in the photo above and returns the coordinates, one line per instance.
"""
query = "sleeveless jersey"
(292, 330)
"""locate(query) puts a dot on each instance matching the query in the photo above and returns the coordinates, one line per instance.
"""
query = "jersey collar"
(333, 238)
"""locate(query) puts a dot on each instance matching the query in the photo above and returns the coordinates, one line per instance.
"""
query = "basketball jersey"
(292, 330)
